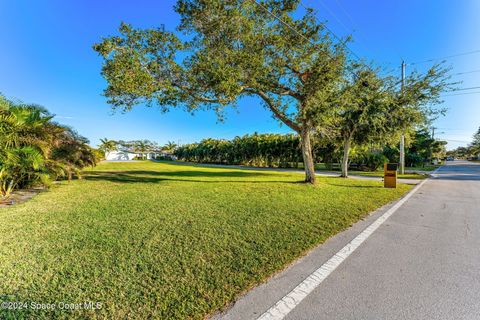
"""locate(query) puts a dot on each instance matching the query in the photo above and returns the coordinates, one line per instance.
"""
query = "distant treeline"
(472, 151)
(272, 150)
(284, 150)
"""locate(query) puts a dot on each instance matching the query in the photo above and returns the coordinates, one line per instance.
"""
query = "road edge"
(302, 290)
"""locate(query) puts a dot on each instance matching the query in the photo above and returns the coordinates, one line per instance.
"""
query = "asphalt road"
(421, 263)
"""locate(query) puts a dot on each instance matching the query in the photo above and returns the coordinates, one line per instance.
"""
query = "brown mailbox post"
(390, 175)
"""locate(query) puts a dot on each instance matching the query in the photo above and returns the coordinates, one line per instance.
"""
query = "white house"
(125, 155)
(120, 155)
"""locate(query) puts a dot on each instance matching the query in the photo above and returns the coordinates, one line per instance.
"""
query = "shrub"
(35, 150)
(371, 161)
(164, 158)
(413, 159)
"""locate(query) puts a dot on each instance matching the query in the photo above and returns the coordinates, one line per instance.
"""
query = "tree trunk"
(346, 152)
(307, 156)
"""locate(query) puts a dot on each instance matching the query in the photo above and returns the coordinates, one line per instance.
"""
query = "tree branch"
(285, 91)
(279, 114)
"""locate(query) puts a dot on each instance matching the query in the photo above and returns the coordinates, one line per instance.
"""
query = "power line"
(340, 40)
(463, 89)
(353, 24)
(349, 17)
(456, 140)
(322, 3)
(303, 36)
(344, 26)
(446, 57)
(283, 22)
(333, 33)
(459, 73)
(460, 94)
(454, 129)
(466, 72)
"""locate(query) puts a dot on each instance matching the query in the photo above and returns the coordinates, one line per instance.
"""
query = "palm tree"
(142, 147)
(21, 167)
(170, 146)
(107, 146)
(73, 153)
(25, 142)
(31, 144)
(25, 125)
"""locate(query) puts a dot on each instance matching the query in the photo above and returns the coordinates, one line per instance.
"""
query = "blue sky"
(46, 58)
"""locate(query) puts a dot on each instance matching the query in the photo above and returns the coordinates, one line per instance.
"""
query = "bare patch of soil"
(20, 196)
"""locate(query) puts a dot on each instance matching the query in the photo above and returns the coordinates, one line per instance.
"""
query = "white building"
(125, 155)
(120, 155)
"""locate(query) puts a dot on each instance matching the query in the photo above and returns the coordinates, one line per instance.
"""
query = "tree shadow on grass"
(354, 186)
(146, 176)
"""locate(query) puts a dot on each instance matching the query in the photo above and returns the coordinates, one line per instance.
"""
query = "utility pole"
(433, 138)
(402, 139)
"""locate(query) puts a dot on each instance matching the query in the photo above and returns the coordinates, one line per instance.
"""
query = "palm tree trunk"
(307, 157)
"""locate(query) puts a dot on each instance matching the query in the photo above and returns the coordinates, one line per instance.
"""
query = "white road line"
(300, 292)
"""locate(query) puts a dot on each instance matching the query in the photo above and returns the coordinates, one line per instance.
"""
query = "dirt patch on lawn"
(20, 196)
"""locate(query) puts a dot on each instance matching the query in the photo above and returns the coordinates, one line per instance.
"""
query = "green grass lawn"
(160, 240)
(429, 167)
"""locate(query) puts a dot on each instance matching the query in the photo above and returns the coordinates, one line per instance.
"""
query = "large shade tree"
(225, 50)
